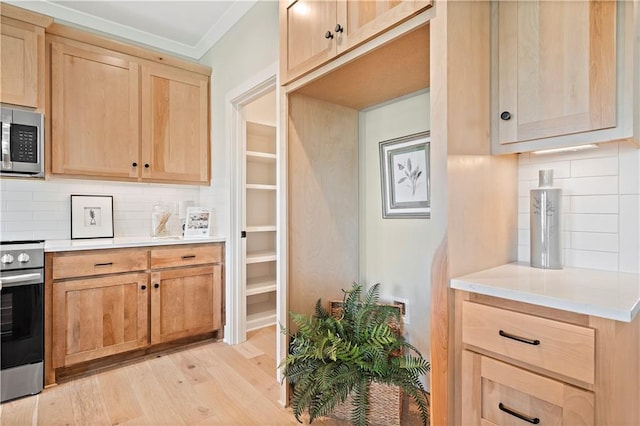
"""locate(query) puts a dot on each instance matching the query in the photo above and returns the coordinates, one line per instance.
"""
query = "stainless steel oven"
(22, 143)
(21, 318)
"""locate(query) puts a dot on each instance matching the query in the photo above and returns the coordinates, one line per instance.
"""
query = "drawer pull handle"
(514, 413)
(535, 342)
(103, 264)
(189, 256)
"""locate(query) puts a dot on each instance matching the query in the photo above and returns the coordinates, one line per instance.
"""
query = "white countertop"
(120, 242)
(611, 295)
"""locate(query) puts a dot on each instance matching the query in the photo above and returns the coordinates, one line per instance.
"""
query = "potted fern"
(334, 356)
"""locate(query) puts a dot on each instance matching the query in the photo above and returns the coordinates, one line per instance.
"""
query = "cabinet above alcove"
(392, 70)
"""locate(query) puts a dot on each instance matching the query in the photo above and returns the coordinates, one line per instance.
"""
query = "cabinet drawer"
(552, 345)
(497, 393)
(174, 256)
(98, 262)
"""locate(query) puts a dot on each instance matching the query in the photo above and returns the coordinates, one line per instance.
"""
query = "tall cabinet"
(260, 224)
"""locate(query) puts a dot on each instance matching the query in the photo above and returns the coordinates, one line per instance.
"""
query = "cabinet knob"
(156, 285)
(505, 115)
(146, 165)
(144, 287)
(134, 164)
(339, 28)
(328, 35)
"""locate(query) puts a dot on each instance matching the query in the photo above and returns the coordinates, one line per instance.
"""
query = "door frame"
(235, 101)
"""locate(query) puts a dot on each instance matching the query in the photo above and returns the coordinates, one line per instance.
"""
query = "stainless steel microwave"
(22, 143)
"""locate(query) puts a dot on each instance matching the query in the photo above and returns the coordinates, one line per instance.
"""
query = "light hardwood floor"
(207, 384)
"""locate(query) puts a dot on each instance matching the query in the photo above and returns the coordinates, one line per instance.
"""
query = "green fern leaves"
(333, 356)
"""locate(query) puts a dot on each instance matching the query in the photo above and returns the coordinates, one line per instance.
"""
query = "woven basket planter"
(385, 401)
(385, 406)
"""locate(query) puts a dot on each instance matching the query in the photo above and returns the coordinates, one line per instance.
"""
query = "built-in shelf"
(260, 285)
(260, 315)
(261, 256)
(266, 228)
(261, 187)
(260, 156)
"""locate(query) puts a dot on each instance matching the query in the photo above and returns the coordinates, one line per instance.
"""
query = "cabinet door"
(175, 125)
(19, 62)
(96, 317)
(303, 41)
(496, 393)
(556, 68)
(364, 19)
(94, 113)
(185, 302)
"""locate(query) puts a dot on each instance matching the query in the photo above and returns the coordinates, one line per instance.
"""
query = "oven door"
(21, 317)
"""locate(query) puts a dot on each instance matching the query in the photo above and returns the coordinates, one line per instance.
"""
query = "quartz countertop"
(120, 242)
(612, 295)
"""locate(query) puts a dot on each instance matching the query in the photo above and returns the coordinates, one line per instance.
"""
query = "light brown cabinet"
(186, 292)
(175, 125)
(22, 57)
(314, 32)
(121, 117)
(556, 68)
(128, 301)
(520, 362)
(95, 101)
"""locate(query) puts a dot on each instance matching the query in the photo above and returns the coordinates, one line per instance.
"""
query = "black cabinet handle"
(328, 35)
(144, 287)
(134, 164)
(533, 342)
(146, 165)
(514, 413)
(156, 285)
(505, 115)
(339, 28)
(189, 256)
(103, 264)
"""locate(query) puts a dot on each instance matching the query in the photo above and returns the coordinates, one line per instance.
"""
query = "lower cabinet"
(183, 301)
(102, 303)
(97, 317)
(525, 364)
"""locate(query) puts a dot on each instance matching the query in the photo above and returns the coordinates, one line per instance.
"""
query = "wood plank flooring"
(208, 384)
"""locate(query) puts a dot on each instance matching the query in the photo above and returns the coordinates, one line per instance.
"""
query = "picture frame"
(405, 177)
(91, 216)
(197, 223)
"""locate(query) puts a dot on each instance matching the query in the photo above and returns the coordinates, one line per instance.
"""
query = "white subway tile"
(561, 169)
(19, 205)
(523, 221)
(603, 166)
(597, 241)
(594, 204)
(523, 158)
(17, 195)
(591, 223)
(591, 259)
(524, 188)
(629, 168)
(524, 255)
(52, 206)
(605, 185)
(524, 205)
(16, 216)
(28, 225)
(11, 235)
(630, 233)
(52, 215)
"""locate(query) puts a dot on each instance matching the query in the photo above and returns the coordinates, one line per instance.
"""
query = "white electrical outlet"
(405, 308)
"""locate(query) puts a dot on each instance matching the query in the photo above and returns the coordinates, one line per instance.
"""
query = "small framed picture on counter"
(198, 223)
(91, 216)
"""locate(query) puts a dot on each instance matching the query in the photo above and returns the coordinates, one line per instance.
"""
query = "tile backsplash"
(37, 209)
(600, 205)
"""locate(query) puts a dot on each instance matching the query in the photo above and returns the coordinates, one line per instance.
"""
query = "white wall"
(601, 205)
(248, 48)
(395, 252)
(40, 210)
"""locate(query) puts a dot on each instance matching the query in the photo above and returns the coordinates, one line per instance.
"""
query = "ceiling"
(185, 28)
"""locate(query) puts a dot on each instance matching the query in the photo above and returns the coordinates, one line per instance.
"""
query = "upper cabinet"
(22, 57)
(116, 114)
(314, 32)
(95, 112)
(560, 74)
(175, 129)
